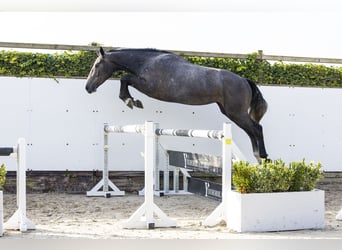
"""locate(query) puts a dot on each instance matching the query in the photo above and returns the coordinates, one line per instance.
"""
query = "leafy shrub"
(278, 73)
(2, 176)
(244, 177)
(67, 64)
(275, 176)
(78, 65)
(305, 175)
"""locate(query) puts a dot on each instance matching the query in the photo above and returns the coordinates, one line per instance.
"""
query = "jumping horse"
(168, 77)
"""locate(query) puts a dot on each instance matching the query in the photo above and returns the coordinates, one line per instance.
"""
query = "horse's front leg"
(126, 96)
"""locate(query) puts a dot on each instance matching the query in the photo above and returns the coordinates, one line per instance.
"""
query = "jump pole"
(19, 220)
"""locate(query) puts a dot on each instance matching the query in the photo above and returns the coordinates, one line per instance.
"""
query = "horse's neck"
(129, 60)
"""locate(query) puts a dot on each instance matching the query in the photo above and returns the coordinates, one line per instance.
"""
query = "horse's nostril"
(88, 89)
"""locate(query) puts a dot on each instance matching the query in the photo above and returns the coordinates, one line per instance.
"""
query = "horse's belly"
(189, 84)
(180, 94)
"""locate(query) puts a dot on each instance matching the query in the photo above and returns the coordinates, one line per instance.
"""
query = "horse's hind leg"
(253, 130)
(125, 95)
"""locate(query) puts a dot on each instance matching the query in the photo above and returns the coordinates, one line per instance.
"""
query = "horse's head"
(102, 69)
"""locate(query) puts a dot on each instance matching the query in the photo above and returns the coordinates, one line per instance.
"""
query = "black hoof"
(268, 160)
(138, 104)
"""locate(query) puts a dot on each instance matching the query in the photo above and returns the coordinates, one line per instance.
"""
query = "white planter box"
(1, 214)
(261, 212)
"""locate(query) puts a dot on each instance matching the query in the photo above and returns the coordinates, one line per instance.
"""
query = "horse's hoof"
(268, 160)
(138, 104)
(129, 103)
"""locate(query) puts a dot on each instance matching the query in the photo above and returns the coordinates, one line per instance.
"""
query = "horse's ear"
(102, 53)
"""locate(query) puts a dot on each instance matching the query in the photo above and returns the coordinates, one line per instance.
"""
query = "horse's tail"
(258, 105)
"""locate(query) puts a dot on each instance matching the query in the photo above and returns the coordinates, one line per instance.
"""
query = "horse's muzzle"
(90, 89)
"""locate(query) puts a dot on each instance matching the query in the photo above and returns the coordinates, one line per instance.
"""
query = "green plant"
(244, 177)
(275, 176)
(305, 175)
(67, 64)
(2, 176)
(77, 65)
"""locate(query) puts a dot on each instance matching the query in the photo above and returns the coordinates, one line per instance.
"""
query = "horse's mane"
(141, 50)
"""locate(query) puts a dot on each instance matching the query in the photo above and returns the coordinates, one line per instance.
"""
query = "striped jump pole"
(211, 134)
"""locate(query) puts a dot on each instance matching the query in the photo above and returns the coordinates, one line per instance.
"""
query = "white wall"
(63, 124)
(304, 123)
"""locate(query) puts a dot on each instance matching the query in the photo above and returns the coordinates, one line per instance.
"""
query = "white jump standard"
(102, 188)
(148, 215)
(19, 221)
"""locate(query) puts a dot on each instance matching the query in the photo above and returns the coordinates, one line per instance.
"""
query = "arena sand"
(75, 216)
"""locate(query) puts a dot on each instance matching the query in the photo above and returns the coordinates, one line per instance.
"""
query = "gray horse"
(168, 77)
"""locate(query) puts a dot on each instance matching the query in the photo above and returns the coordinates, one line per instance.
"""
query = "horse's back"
(175, 63)
(167, 60)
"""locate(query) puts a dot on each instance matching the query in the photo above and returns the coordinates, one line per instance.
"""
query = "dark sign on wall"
(205, 188)
(197, 162)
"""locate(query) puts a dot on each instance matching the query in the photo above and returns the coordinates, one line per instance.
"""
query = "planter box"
(1, 214)
(262, 212)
